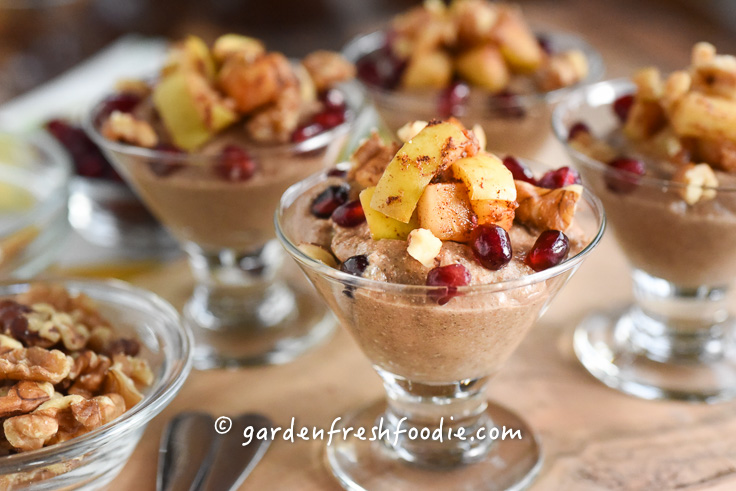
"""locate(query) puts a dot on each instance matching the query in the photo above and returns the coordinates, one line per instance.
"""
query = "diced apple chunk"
(495, 212)
(486, 177)
(703, 116)
(190, 109)
(445, 210)
(381, 226)
(191, 54)
(428, 69)
(431, 151)
(517, 42)
(484, 67)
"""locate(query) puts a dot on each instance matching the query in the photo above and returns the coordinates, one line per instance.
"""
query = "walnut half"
(547, 209)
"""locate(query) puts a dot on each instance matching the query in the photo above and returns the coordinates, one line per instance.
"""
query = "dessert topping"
(625, 178)
(699, 182)
(491, 246)
(355, 265)
(319, 253)
(451, 277)
(423, 246)
(544, 208)
(349, 214)
(124, 127)
(550, 249)
(328, 200)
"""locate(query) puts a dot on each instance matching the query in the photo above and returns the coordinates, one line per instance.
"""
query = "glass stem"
(436, 425)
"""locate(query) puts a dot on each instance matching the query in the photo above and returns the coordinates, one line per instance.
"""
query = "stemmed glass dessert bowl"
(244, 309)
(515, 123)
(677, 339)
(435, 355)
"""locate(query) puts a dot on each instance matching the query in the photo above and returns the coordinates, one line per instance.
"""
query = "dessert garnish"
(682, 125)
(470, 43)
(65, 370)
(451, 204)
(236, 86)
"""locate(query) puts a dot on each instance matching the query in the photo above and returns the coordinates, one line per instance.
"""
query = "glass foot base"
(283, 325)
(603, 345)
(511, 464)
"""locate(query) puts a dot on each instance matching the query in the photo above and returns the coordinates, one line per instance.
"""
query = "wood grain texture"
(593, 438)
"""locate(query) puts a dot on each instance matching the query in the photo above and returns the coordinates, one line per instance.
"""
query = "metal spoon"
(186, 452)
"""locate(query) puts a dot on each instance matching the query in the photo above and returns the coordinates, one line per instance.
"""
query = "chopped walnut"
(133, 86)
(8, 342)
(30, 431)
(80, 306)
(135, 368)
(54, 327)
(328, 68)
(124, 127)
(370, 160)
(563, 70)
(256, 84)
(119, 383)
(34, 363)
(699, 182)
(97, 411)
(276, 123)
(23, 397)
(88, 373)
(547, 209)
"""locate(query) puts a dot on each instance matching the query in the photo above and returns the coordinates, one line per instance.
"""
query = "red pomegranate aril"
(349, 215)
(306, 131)
(333, 100)
(519, 170)
(452, 99)
(381, 68)
(625, 178)
(550, 249)
(329, 200)
(491, 246)
(355, 265)
(124, 102)
(451, 277)
(329, 119)
(578, 128)
(92, 166)
(335, 172)
(506, 104)
(622, 107)
(559, 178)
(235, 164)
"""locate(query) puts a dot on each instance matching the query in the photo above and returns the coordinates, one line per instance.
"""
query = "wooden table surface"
(593, 438)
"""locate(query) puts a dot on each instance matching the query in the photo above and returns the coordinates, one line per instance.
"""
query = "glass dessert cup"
(34, 179)
(514, 124)
(93, 460)
(435, 362)
(244, 310)
(678, 338)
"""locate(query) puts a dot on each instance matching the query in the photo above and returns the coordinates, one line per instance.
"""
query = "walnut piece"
(119, 383)
(124, 127)
(699, 182)
(24, 397)
(370, 160)
(547, 209)
(328, 68)
(276, 122)
(34, 363)
(88, 373)
(258, 83)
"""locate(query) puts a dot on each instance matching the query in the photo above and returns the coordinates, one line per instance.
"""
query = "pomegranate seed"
(450, 277)
(507, 105)
(88, 159)
(91, 166)
(622, 106)
(519, 170)
(550, 249)
(235, 164)
(162, 168)
(124, 102)
(545, 44)
(578, 128)
(328, 119)
(333, 100)
(452, 99)
(625, 178)
(491, 246)
(349, 215)
(328, 200)
(305, 132)
(381, 68)
(355, 265)
(335, 172)
(559, 178)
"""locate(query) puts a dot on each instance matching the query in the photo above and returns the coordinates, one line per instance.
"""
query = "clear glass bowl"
(34, 179)
(678, 339)
(516, 125)
(92, 461)
(243, 310)
(435, 362)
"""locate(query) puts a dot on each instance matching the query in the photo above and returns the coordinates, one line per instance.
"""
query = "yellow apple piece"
(381, 226)
(644, 120)
(190, 109)
(484, 67)
(319, 253)
(495, 212)
(191, 54)
(703, 116)
(445, 210)
(431, 151)
(229, 45)
(428, 70)
(485, 177)
(517, 42)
